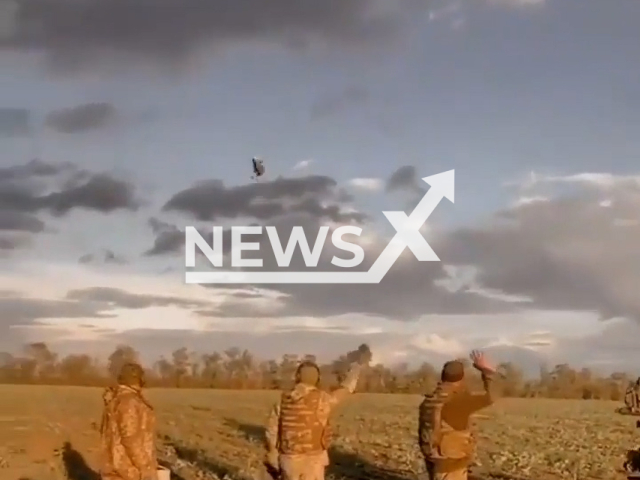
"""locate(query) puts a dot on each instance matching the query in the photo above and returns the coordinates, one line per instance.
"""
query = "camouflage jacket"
(444, 433)
(323, 403)
(127, 435)
(632, 397)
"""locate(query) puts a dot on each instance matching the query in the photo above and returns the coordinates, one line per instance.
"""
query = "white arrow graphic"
(407, 235)
(408, 227)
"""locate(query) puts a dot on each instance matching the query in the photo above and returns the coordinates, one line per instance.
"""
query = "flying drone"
(258, 168)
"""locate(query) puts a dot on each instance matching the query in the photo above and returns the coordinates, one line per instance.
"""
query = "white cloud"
(528, 200)
(432, 342)
(367, 184)
(302, 165)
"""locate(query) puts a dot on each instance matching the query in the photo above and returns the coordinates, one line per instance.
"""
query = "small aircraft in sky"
(258, 168)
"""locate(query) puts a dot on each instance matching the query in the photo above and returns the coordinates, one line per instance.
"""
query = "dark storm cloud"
(80, 34)
(17, 122)
(41, 187)
(168, 238)
(571, 252)
(22, 222)
(91, 116)
(405, 178)
(327, 105)
(212, 200)
(100, 192)
(32, 169)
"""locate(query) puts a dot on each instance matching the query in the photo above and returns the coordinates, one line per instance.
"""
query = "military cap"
(452, 371)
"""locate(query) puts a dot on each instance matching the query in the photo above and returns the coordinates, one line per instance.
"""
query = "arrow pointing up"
(444, 183)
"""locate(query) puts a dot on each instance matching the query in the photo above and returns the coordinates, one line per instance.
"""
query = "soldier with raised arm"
(298, 431)
(632, 398)
(128, 429)
(443, 432)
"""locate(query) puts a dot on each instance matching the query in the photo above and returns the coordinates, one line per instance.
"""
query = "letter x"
(408, 233)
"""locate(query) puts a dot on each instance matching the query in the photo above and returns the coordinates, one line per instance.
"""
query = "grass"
(210, 434)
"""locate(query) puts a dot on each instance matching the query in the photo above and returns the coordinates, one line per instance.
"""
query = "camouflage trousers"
(303, 467)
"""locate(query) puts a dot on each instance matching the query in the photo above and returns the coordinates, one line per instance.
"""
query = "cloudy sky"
(121, 123)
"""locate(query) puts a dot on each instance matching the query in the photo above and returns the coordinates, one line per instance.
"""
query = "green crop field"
(213, 434)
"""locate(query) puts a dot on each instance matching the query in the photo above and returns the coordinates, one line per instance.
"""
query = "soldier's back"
(128, 425)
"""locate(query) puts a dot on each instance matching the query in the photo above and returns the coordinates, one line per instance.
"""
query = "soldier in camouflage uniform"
(298, 432)
(632, 398)
(444, 437)
(128, 429)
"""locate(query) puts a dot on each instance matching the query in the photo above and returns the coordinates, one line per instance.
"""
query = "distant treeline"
(239, 369)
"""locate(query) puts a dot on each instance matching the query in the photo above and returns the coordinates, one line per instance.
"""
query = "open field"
(207, 434)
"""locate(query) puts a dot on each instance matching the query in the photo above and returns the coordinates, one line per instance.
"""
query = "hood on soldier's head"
(132, 375)
(308, 373)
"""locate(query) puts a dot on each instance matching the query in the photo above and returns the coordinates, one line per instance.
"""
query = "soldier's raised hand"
(480, 362)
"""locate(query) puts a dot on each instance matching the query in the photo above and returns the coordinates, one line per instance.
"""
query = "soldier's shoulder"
(428, 402)
(437, 397)
(129, 400)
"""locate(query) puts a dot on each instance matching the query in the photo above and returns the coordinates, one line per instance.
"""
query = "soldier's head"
(452, 372)
(308, 373)
(132, 375)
